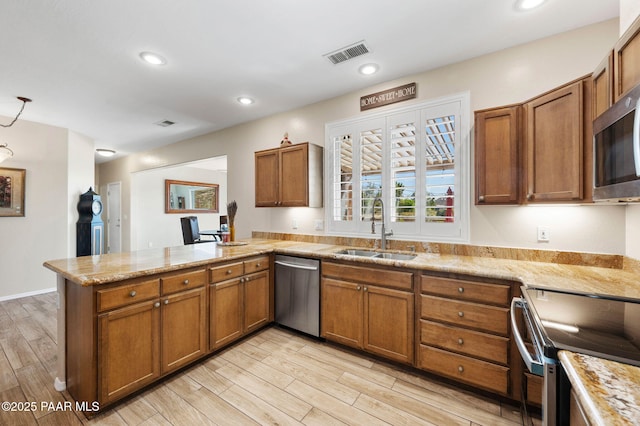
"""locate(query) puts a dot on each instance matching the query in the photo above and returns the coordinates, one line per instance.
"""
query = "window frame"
(419, 229)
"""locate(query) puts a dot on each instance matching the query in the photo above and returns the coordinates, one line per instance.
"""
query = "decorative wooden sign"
(386, 97)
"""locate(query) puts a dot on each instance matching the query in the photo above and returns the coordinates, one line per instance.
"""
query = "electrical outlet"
(543, 234)
(294, 223)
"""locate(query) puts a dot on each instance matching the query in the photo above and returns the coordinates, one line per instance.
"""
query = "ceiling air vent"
(346, 53)
(165, 123)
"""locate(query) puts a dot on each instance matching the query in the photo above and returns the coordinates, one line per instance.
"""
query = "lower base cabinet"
(369, 308)
(239, 300)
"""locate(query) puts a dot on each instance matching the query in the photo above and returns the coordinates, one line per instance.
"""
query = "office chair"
(191, 231)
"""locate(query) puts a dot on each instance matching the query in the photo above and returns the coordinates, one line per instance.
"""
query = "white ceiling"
(78, 60)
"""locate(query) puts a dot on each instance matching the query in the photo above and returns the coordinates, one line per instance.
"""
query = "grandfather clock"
(89, 228)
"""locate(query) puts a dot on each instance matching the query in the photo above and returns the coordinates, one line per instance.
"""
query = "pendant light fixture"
(5, 151)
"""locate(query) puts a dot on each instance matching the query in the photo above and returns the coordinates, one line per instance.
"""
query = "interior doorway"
(114, 210)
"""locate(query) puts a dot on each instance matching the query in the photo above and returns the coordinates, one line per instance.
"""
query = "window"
(414, 159)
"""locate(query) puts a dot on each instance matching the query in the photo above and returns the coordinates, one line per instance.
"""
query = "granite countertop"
(95, 270)
(608, 391)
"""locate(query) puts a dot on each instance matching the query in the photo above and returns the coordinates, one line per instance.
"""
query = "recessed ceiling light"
(105, 152)
(245, 100)
(368, 69)
(528, 4)
(152, 58)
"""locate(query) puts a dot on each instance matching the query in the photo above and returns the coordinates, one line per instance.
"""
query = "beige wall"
(629, 11)
(504, 77)
(59, 167)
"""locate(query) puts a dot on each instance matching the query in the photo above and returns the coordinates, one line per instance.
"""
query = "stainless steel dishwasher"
(297, 293)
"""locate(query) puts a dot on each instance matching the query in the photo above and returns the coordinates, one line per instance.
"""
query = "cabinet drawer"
(225, 272)
(127, 294)
(495, 294)
(183, 281)
(369, 275)
(469, 342)
(479, 373)
(466, 314)
(256, 264)
(534, 389)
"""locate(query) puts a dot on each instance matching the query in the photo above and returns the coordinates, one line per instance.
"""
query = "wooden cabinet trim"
(127, 294)
(180, 281)
(369, 275)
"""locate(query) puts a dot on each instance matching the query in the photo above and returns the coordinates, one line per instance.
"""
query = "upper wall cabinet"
(290, 176)
(602, 78)
(626, 61)
(497, 155)
(536, 152)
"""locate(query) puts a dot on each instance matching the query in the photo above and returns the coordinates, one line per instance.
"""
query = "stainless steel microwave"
(616, 151)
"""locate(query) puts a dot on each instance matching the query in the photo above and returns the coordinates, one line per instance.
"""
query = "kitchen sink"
(362, 253)
(396, 256)
(377, 254)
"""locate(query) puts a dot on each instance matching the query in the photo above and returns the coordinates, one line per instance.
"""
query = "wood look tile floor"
(273, 377)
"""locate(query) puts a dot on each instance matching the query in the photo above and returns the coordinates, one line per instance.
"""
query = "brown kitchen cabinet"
(465, 333)
(289, 176)
(145, 329)
(626, 61)
(602, 82)
(555, 145)
(497, 155)
(369, 308)
(537, 152)
(240, 300)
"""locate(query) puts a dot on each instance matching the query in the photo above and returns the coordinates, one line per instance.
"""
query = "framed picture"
(190, 197)
(12, 191)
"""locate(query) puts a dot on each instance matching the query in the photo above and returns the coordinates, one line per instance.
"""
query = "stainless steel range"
(602, 326)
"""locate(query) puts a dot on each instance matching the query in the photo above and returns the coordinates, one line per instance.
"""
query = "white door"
(114, 233)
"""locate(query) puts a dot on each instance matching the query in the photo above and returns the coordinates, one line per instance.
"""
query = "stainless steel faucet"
(383, 239)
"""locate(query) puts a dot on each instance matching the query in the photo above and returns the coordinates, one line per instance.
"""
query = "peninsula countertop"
(592, 376)
(103, 269)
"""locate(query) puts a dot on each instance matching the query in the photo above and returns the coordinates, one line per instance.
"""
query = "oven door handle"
(533, 365)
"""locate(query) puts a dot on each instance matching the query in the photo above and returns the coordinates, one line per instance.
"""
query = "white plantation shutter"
(415, 159)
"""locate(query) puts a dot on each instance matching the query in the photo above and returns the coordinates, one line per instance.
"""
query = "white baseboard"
(30, 293)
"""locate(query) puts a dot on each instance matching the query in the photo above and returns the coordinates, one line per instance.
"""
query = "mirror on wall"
(190, 197)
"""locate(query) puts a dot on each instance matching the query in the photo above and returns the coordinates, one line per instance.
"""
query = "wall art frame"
(12, 192)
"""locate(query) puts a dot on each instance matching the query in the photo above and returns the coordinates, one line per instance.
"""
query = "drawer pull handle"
(166, 301)
(229, 272)
(241, 280)
(365, 289)
(246, 279)
(156, 305)
(460, 341)
(132, 293)
(460, 369)
(460, 289)
(358, 288)
(185, 282)
(461, 314)
(258, 265)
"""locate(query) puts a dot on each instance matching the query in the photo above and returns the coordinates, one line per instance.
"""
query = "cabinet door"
(627, 60)
(497, 155)
(602, 80)
(554, 154)
(267, 177)
(225, 314)
(256, 301)
(342, 310)
(128, 349)
(388, 323)
(294, 176)
(184, 328)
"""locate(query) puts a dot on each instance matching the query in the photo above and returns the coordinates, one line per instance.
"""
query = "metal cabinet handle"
(460, 369)
(258, 265)
(241, 280)
(185, 282)
(358, 288)
(246, 279)
(460, 341)
(156, 305)
(460, 289)
(166, 301)
(365, 289)
(461, 314)
(132, 293)
(481, 198)
(229, 272)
